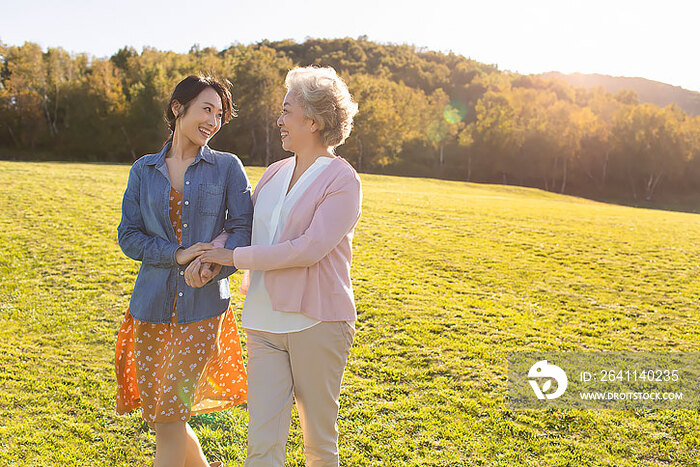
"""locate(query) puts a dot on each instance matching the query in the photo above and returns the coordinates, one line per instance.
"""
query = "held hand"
(222, 256)
(209, 271)
(193, 274)
(185, 256)
(199, 274)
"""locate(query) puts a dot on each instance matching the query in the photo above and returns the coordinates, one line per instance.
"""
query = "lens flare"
(455, 111)
(184, 392)
(213, 384)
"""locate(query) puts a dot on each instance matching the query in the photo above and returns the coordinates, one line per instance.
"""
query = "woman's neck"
(182, 148)
(308, 156)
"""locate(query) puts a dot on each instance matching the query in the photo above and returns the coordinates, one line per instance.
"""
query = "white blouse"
(272, 208)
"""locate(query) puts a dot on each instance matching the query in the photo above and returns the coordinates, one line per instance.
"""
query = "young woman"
(299, 309)
(178, 351)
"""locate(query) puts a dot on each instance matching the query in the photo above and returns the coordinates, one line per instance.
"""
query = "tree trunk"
(128, 143)
(359, 158)
(438, 169)
(254, 145)
(268, 154)
(12, 134)
(605, 167)
(652, 182)
(469, 167)
(48, 119)
(631, 179)
(566, 169)
(55, 111)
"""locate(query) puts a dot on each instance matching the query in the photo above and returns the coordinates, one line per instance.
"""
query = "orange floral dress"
(173, 371)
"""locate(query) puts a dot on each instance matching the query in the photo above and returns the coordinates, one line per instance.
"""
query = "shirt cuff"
(174, 257)
(242, 257)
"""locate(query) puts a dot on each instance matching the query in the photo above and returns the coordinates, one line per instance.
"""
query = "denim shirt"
(216, 196)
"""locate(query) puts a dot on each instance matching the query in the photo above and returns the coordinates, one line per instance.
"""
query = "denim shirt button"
(180, 294)
(187, 182)
(187, 203)
(184, 225)
(182, 273)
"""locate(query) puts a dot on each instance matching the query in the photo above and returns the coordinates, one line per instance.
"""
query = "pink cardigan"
(308, 270)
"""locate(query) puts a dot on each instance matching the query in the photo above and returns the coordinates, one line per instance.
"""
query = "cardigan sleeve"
(335, 216)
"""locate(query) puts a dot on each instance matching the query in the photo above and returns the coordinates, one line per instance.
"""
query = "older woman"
(299, 310)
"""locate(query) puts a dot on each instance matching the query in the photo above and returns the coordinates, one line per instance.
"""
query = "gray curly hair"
(326, 99)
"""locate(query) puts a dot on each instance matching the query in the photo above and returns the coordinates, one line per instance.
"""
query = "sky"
(653, 40)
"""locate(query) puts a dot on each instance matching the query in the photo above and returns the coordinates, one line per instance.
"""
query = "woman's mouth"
(284, 134)
(206, 133)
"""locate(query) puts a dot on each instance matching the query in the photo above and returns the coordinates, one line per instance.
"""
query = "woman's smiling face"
(296, 131)
(202, 119)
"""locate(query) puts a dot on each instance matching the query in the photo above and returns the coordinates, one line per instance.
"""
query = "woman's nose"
(279, 121)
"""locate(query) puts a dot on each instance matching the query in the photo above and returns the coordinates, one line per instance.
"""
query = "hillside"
(647, 90)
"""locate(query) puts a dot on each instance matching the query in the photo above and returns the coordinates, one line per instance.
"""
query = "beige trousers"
(309, 365)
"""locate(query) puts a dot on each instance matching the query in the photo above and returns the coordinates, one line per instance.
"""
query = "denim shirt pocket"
(211, 196)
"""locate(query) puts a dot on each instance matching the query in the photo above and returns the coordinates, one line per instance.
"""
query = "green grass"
(449, 277)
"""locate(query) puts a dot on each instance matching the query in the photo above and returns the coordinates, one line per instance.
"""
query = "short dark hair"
(190, 87)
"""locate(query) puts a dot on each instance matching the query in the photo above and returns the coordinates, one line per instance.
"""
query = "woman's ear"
(313, 126)
(176, 107)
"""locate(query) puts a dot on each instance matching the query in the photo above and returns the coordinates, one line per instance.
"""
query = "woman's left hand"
(222, 256)
(199, 274)
(193, 274)
(209, 271)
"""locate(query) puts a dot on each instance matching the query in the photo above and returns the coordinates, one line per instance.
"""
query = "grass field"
(449, 277)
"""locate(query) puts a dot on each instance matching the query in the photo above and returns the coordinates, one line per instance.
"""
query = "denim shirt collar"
(204, 153)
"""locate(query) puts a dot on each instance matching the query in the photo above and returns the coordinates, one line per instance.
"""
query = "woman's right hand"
(184, 256)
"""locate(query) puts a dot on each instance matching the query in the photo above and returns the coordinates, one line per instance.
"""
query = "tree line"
(422, 113)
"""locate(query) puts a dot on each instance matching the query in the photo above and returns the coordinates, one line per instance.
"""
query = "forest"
(421, 113)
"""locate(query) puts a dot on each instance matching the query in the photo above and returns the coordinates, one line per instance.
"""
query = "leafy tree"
(421, 113)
